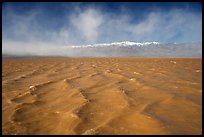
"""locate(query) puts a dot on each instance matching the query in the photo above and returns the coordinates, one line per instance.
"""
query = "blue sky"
(65, 24)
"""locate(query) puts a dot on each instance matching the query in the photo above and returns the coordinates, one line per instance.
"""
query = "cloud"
(88, 23)
(147, 26)
(157, 26)
(34, 32)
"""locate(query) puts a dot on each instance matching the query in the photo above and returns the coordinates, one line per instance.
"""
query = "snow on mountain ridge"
(124, 43)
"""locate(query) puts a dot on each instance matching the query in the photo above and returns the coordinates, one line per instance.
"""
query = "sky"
(42, 25)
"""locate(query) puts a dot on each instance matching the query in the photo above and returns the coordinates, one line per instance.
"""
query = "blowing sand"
(102, 96)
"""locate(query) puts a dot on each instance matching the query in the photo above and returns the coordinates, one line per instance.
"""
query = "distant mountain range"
(136, 49)
(128, 49)
(125, 43)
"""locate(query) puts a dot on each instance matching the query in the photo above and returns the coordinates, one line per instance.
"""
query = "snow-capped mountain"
(134, 49)
(124, 43)
(123, 49)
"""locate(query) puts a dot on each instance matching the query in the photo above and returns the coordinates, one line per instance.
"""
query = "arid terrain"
(102, 96)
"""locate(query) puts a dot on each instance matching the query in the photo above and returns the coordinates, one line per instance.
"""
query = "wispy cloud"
(87, 23)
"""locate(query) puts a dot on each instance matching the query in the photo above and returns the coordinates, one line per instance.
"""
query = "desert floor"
(102, 96)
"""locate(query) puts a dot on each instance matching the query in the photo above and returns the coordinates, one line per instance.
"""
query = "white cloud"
(87, 23)
(147, 26)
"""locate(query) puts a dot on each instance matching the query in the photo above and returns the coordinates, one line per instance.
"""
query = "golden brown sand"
(102, 96)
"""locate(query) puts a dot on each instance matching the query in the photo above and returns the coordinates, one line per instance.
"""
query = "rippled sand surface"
(101, 96)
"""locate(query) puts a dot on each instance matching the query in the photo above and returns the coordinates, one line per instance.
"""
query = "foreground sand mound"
(102, 96)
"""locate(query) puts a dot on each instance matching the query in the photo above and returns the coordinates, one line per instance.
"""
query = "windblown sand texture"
(102, 96)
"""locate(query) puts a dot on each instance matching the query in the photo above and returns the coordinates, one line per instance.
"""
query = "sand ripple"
(102, 96)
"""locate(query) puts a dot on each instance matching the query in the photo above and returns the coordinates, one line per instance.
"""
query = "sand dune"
(102, 96)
